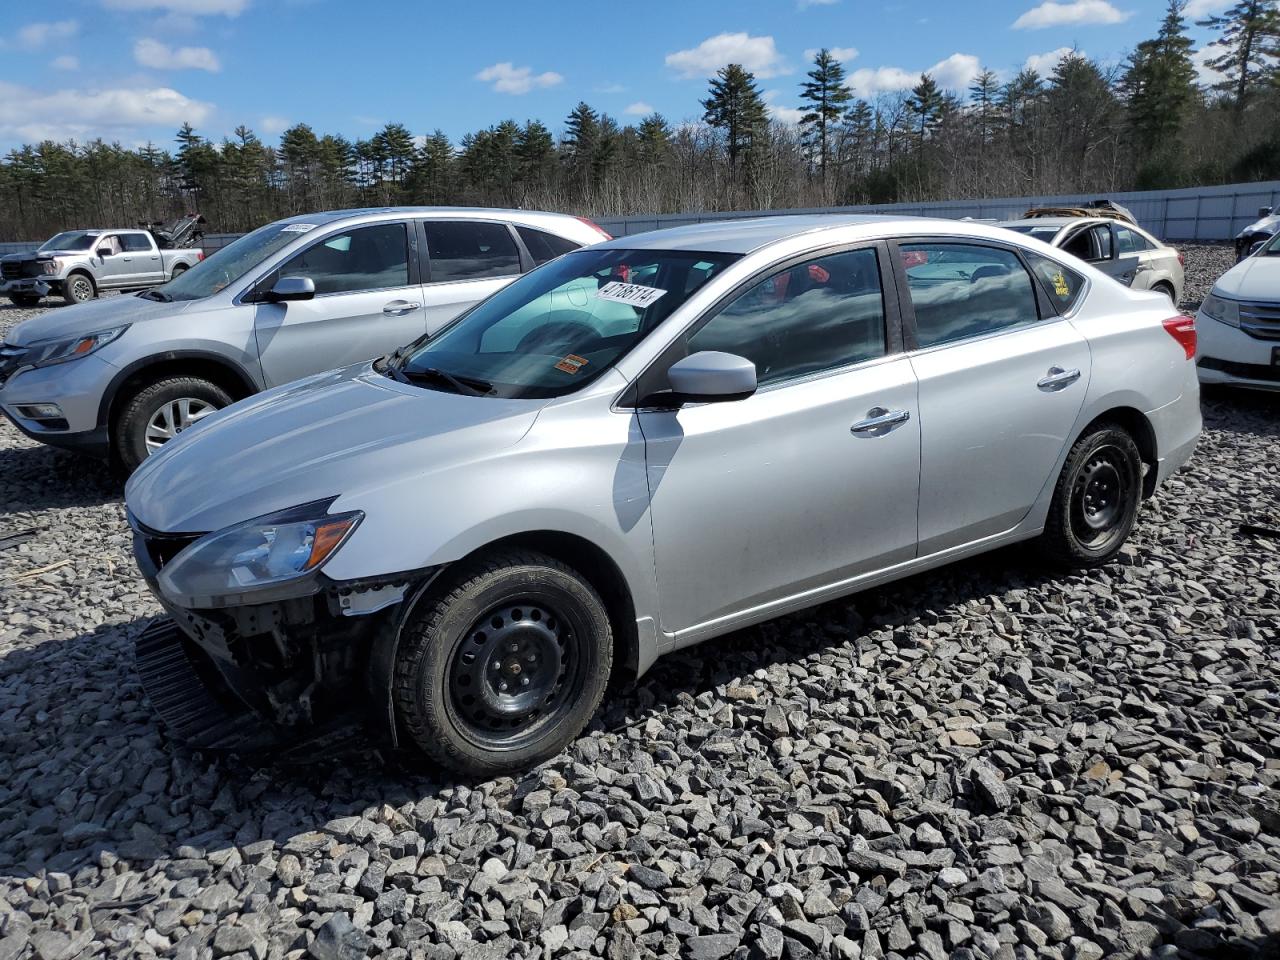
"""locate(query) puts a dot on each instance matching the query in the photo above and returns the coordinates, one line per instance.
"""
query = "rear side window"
(544, 246)
(819, 315)
(134, 243)
(1063, 286)
(962, 290)
(367, 258)
(462, 250)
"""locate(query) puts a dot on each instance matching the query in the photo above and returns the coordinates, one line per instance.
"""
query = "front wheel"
(1096, 500)
(159, 412)
(78, 288)
(504, 665)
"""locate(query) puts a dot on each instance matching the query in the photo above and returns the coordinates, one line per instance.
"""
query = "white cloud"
(638, 109)
(779, 111)
(507, 78)
(954, 73)
(758, 54)
(272, 125)
(35, 35)
(191, 8)
(1202, 8)
(160, 56)
(28, 114)
(1205, 74)
(1072, 13)
(843, 54)
(1045, 63)
(65, 62)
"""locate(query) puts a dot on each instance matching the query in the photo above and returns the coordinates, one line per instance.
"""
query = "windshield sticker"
(297, 227)
(631, 294)
(573, 363)
(1060, 286)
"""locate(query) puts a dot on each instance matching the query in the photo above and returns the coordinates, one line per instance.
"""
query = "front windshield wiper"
(157, 295)
(471, 386)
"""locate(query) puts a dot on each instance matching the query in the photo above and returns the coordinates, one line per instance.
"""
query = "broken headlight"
(270, 558)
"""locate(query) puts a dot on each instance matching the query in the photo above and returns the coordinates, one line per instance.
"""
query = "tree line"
(1085, 127)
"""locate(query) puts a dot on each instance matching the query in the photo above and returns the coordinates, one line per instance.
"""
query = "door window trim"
(653, 377)
(522, 255)
(249, 294)
(1046, 310)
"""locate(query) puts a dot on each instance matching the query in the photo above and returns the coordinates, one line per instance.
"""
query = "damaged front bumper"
(282, 676)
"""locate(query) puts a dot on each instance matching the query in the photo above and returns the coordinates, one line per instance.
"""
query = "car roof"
(480, 213)
(747, 235)
(1049, 223)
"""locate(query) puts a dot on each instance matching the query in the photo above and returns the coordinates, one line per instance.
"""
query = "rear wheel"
(78, 288)
(1167, 290)
(24, 299)
(1096, 500)
(159, 412)
(178, 271)
(505, 665)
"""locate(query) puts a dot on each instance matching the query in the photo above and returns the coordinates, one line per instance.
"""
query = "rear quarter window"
(544, 246)
(1063, 285)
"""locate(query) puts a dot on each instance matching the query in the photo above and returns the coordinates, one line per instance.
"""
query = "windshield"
(70, 240)
(1272, 247)
(1040, 233)
(226, 266)
(558, 328)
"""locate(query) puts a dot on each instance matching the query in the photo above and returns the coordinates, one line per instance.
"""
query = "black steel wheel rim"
(515, 671)
(1100, 497)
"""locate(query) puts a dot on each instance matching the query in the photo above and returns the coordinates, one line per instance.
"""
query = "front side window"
(556, 329)
(135, 243)
(818, 315)
(366, 258)
(963, 290)
(463, 250)
(543, 246)
(110, 245)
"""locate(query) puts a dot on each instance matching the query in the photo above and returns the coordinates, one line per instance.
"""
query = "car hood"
(85, 318)
(1256, 278)
(346, 432)
(1267, 225)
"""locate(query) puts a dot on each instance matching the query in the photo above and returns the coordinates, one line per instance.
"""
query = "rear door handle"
(398, 308)
(880, 420)
(1057, 379)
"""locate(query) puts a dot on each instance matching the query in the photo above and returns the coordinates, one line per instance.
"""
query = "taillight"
(595, 226)
(1182, 258)
(1183, 329)
(199, 255)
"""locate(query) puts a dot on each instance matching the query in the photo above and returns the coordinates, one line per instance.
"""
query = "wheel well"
(80, 272)
(216, 372)
(598, 568)
(1134, 423)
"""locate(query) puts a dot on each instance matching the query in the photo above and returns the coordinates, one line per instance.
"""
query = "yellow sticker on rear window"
(1060, 286)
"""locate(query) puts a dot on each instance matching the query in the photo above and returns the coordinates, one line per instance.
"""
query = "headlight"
(60, 351)
(50, 267)
(270, 558)
(1222, 310)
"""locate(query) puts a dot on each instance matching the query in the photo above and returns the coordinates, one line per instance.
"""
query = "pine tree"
(1250, 45)
(431, 178)
(535, 155)
(580, 142)
(825, 95)
(926, 105)
(984, 95)
(735, 107)
(1160, 82)
(654, 139)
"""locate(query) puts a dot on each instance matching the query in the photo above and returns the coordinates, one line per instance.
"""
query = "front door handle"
(398, 308)
(1058, 379)
(880, 421)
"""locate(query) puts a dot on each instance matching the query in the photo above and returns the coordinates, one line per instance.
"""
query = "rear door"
(1002, 379)
(809, 482)
(467, 260)
(368, 302)
(142, 258)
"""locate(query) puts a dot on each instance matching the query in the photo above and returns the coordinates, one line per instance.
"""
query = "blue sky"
(134, 70)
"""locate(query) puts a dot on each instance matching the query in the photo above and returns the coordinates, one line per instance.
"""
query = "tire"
(1167, 291)
(138, 429)
(24, 300)
(468, 657)
(79, 288)
(178, 271)
(1096, 500)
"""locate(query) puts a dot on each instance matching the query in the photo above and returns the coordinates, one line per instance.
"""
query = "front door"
(807, 483)
(1000, 388)
(113, 264)
(368, 302)
(468, 261)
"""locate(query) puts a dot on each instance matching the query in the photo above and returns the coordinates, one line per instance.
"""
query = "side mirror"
(710, 376)
(103, 252)
(1264, 212)
(291, 288)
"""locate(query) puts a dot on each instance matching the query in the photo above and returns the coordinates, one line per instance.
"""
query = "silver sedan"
(637, 447)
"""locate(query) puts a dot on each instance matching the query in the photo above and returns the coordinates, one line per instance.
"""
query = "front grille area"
(1245, 371)
(1260, 320)
(17, 269)
(153, 550)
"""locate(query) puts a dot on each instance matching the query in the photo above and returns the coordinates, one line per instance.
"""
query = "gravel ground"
(987, 761)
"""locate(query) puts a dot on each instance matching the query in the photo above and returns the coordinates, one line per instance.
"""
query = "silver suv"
(124, 375)
(634, 448)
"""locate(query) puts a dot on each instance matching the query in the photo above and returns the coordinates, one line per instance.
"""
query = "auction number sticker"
(297, 228)
(631, 294)
(572, 363)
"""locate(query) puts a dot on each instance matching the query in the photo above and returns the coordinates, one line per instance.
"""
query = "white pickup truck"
(77, 264)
